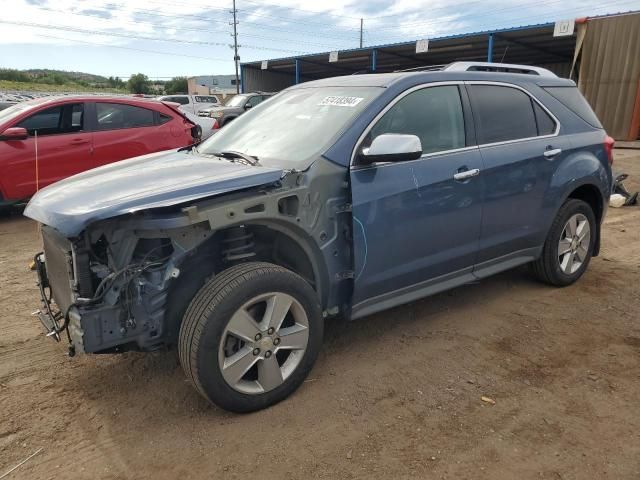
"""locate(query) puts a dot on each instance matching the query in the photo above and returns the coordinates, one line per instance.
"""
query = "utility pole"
(236, 58)
(361, 28)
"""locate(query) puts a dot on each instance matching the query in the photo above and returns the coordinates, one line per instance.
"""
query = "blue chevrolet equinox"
(339, 197)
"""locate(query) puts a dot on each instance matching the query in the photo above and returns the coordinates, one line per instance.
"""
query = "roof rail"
(498, 67)
(423, 68)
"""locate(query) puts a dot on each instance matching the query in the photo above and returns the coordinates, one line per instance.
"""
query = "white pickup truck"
(192, 103)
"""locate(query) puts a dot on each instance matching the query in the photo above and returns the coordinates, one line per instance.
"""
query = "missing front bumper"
(54, 322)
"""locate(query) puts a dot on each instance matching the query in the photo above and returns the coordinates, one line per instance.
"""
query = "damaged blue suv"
(343, 196)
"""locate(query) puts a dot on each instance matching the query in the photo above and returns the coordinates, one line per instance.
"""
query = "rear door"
(417, 223)
(124, 131)
(520, 147)
(59, 145)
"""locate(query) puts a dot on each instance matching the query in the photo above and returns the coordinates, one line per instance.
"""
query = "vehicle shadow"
(156, 381)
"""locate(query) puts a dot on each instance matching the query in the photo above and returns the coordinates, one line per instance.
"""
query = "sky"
(167, 38)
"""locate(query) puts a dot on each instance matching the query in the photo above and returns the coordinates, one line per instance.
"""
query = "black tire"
(206, 319)
(547, 268)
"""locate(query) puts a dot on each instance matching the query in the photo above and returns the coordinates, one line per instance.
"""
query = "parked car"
(234, 108)
(6, 104)
(206, 124)
(192, 103)
(344, 196)
(77, 133)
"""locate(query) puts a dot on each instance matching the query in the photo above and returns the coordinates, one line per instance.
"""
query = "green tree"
(139, 83)
(115, 82)
(13, 75)
(176, 85)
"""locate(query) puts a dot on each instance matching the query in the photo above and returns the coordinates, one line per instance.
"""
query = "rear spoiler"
(196, 130)
(176, 108)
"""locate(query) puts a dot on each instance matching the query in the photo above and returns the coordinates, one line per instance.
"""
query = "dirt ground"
(397, 395)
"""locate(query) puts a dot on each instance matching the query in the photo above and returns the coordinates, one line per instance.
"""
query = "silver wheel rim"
(263, 343)
(573, 247)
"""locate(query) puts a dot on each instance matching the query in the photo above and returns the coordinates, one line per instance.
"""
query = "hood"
(157, 180)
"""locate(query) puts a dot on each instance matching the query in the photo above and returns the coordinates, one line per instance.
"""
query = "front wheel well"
(591, 195)
(229, 247)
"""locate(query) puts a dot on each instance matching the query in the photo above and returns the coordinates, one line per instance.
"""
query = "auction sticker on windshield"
(338, 101)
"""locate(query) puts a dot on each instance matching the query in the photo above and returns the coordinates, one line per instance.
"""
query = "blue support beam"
(374, 59)
(490, 49)
(297, 71)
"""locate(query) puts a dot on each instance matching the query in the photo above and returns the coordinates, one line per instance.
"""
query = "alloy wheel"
(263, 343)
(573, 247)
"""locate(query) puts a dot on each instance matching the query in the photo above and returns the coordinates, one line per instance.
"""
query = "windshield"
(236, 101)
(14, 111)
(292, 126)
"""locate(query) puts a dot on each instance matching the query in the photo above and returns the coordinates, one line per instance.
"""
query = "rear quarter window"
(571, 98)
(113, 116)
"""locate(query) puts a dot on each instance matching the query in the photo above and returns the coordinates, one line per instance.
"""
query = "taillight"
(215, 125)
(608, 147)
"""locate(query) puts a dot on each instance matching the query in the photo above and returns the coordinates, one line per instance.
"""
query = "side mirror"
(392, 147)
(14, 133)
(248, 106)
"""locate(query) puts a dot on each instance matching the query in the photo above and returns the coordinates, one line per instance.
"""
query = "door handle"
(552, 153)
(79, 141)
(460, 176)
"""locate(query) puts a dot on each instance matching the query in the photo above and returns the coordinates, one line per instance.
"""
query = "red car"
(47, 139)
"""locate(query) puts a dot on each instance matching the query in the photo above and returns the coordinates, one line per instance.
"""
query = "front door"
(417, 223)
(58, 146)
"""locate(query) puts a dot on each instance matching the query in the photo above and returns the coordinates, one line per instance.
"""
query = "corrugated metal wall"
(610, 70)
(265, 80)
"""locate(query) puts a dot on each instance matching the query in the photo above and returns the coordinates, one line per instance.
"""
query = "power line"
(200, 30)
(194, 18)
(315, 12)
(469, 15)
(136, 49)
(492, 14)
(138, 37)
(531, 19)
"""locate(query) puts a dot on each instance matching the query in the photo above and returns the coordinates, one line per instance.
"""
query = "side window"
(546, 124)
(46, 122)
(571, 98)
(55, 120)
(77, 116)
(181, 100)
(164, 118)
(255, 100)
(434, 114)
(112, 116)
(502, 113)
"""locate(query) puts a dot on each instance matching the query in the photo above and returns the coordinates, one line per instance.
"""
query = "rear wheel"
(250, 336)
(569, 245)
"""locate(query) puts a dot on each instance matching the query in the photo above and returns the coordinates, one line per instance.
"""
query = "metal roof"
(524, 45)
(527, 45)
